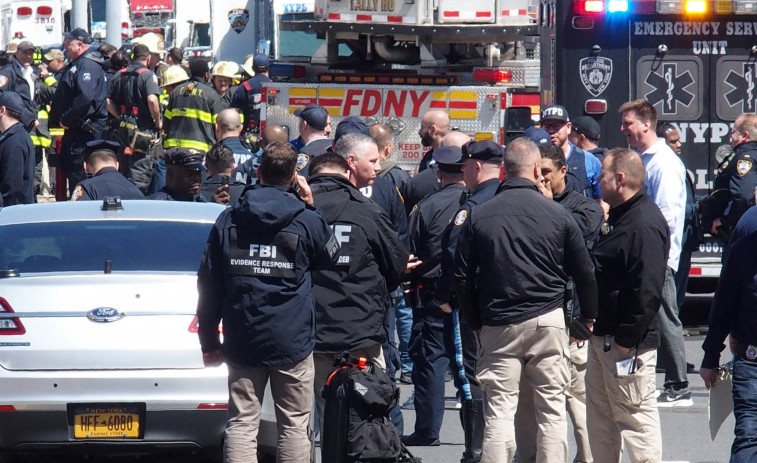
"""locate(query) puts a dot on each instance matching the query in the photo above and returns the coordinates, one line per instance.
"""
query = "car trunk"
(150, 322)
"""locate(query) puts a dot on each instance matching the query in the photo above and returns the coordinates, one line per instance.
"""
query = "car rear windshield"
(129, 245)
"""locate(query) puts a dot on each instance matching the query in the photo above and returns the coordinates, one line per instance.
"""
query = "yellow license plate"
(106, 423)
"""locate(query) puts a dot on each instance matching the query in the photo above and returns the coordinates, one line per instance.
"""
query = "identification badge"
(751, 352)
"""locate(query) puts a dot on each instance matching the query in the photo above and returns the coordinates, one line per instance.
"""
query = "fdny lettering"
(676, 28)
(262, 251)
(372, 5)
(190, 91)
(367, 103)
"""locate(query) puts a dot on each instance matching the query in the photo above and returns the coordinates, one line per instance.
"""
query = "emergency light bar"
(494, 76)
(609, 7)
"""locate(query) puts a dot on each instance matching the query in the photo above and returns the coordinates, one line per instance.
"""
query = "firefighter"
(192, 111)
(79, 105)
(42, 134)
(134, 101)
(247, 98)
(172, 76)
(222, 77)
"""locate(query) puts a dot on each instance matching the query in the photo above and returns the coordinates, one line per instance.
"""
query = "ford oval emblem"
(104, 314)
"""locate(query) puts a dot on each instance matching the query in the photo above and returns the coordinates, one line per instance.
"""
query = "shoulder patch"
(86, 77)
(78, 192)
(302, 161)
(461, 217)
(3, 81)
(743, 167)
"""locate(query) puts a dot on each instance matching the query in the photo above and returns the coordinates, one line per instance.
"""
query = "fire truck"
(695, 60)
(392, 61)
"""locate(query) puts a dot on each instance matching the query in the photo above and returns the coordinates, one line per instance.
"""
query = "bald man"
(247, 171)
(434, 126)
(426, 182)
(384, 136)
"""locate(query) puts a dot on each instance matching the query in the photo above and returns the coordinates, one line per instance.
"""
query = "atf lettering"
(262, 250)
(342, 233)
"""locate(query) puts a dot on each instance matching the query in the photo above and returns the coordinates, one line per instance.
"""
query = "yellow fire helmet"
(174, 75)
(154, 42)
(247, 66)
(225, 69)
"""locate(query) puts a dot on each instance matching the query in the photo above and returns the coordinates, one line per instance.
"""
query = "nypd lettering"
(249, 255)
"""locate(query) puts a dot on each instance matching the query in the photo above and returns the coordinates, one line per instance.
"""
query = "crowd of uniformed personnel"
(471, 272)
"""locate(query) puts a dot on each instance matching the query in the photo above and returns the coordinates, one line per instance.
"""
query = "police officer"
(134, 100)
(192, 111)
(428, 349)
(79, 105)
(248, 99)
(585, 134)
(101, 162)
(16, 153)
(513, 261)
(584, 165)
(255, 276)
(228, 131)
(736, 182)
(315, 126)
(351, 295)
(219, 186)
(18, 76)
(183, 176)
(481, 168)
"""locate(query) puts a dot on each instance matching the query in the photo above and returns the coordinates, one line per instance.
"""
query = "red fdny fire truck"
(695, 60)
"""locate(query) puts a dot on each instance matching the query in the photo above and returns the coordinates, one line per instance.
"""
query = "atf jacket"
(351, 294)
(387, 196)
(515, 256)
(630, 256)
(16, 166)
(733, 308)
(191, 114)
(12, 80)
(255, 276)
(81, 95)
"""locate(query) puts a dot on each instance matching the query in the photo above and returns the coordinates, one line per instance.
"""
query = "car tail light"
(44, 10)
(213, 407)
(195, 325)
(7, 408)
(24, 11)
(10, 325)
(595, 106)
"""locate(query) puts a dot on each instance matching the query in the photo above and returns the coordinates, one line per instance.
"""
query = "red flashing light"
(492, 75)
(10, 326)
(273, 91)
(24, 11)
(590, 6)
(44, 10)
(595, 106)
(361, 363)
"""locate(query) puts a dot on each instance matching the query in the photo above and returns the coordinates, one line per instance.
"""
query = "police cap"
(185, 158)
(316, 116)
(12, 101)
(448, 158)
(101, 145)
(484, 150)
(78, 34)
(538, 136)
(555, 112)
(260, 62)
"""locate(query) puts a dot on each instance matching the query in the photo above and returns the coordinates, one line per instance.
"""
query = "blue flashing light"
(617, 6)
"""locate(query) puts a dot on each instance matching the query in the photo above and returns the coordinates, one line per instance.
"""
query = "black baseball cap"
(556, 112)
(350, 124)
(483, 150)
(587, 127)
(316, 116)
(78, 34)
(448, 158)
(186, 158)
(12, 101)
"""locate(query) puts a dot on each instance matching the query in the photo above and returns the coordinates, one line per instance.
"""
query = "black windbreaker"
(515, 255)
(351, 295)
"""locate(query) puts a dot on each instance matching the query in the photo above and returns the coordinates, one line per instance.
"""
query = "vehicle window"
(85, 246)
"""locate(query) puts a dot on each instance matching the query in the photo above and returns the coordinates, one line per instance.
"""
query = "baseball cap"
(587, 127)
(25, 46)
(12, 101)
(78, 34)
(448, 158)
(185, 158)
(538, 136)
(483, 150)
(54, 53)
(316, 116)
(260, 61)
(556, 112)
(350, 124)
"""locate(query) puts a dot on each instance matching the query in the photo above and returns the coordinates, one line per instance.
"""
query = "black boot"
(473, 428)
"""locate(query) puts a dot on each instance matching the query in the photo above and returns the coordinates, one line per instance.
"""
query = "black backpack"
(356, 424)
